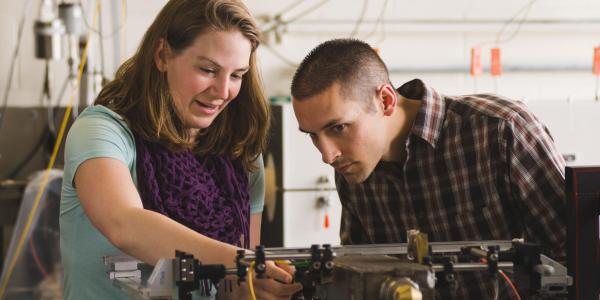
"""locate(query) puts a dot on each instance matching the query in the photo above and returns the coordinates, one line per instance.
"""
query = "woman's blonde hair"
(140, 92)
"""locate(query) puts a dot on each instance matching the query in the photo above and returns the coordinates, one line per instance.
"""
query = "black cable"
(48, 135)
(360, 18)
(101, 44)
(293, 19)
(284, 59)
(54, 105)
(519, 25)
(289, 7)
(522, 11)
(44, 137)
(46, 96)
(379, 20)
(307, 11)
(11, 70)
(274, 27)
(112, 33)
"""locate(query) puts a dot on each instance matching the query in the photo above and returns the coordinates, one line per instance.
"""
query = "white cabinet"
(302, 163)
(574, 126)
(304, 219)
(296, 178)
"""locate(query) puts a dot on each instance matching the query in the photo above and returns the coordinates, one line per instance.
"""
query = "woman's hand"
(277, 283)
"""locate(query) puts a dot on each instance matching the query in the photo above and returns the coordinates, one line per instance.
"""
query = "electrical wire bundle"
(10, 266)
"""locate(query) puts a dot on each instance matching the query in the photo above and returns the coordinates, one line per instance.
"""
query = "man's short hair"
(352, 63)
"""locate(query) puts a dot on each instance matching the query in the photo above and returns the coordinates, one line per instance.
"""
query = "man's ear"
(388, 98)
(160, 55)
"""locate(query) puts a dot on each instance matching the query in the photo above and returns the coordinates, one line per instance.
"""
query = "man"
(461, 168)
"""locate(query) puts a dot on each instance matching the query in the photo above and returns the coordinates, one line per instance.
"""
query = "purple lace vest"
(208, 194)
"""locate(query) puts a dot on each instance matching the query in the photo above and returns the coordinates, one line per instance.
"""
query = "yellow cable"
(38, 196)
(282, 262)
(252, 294)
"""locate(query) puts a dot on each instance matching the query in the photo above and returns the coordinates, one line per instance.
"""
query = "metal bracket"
(125, 273)
(554, 277)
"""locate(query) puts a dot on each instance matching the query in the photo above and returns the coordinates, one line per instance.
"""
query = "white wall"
(428, 39)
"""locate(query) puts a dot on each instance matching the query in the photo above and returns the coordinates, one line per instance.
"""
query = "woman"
(161, 161)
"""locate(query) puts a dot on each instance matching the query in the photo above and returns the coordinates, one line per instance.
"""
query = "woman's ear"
(160, 55)
(388, 98)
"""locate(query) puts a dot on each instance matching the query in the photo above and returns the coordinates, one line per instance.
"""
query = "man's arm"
(536, 170)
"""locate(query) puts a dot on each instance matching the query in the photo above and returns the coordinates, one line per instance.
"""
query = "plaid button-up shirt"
(478, 167)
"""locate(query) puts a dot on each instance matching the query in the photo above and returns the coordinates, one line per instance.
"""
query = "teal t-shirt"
(100, 132)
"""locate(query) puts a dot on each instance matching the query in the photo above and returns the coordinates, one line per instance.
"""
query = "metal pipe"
(306, 189)
(381, 249)
(282, 256)
(455, 69)
(478, 252)
(438, 26)
(231, 271)
(460, 267)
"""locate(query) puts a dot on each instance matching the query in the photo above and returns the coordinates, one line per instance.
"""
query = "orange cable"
(510, 283)
(512, 286)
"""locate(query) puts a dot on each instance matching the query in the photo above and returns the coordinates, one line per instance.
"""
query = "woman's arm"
(255, 223)
(111, 201)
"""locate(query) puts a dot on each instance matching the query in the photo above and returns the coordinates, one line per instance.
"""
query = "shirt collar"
(430, 117)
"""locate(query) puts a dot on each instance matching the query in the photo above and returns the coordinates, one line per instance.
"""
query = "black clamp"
(446, 279)
(191, 275)
(449, 276)
(185, 274)
(241, 267)
(492, 260)
(315, 259)
(327, 260)
(260, 263)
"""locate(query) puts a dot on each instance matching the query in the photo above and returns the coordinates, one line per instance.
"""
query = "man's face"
(350, 136)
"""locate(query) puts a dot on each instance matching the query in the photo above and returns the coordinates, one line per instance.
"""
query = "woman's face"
(206, 76)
